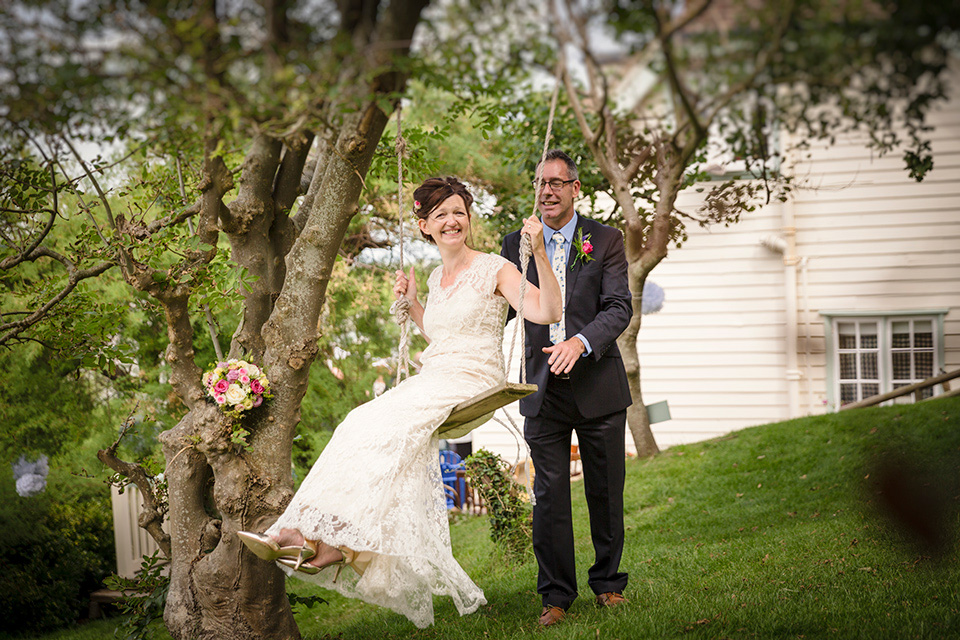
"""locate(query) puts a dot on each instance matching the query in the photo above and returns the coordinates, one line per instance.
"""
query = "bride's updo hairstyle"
(433, 192)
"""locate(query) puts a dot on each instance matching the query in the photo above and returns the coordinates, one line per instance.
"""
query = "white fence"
(132, 542)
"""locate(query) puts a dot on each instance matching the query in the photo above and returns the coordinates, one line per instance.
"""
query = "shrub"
(55, 549)
(509, 514)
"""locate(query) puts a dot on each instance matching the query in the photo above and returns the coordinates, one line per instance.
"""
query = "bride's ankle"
(288, 538)
(326, 554)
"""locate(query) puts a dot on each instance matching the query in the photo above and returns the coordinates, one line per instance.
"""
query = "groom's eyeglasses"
(555, 185)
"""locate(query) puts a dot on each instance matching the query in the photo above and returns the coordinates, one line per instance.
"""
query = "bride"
(373, 501)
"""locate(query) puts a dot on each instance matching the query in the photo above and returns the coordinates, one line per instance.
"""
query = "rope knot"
(401, 309)
(401, 312)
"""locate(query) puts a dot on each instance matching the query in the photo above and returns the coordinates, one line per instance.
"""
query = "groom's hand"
(564, 355)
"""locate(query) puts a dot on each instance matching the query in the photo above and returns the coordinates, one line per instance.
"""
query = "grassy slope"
(770, 532)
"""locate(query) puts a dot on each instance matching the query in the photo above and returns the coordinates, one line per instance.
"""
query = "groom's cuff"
(586, 345)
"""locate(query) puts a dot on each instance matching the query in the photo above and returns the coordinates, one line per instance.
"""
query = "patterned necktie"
(559, 264)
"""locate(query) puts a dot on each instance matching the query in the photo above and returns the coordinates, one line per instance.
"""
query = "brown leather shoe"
(551, 616)
(610, 599)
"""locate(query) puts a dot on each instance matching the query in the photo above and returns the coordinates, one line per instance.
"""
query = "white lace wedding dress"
(376, 488)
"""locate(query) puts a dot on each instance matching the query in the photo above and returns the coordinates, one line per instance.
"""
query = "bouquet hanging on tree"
(237, 386)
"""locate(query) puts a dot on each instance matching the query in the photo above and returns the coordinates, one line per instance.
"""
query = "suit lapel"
(573, 265)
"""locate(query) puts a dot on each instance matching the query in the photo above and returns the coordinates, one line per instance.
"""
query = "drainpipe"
(805, 284)
(786, 245)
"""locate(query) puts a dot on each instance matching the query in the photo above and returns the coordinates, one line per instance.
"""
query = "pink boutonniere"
(583, 247)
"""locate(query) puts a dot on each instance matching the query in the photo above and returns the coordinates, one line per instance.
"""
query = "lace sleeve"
(433, 280)
(492, 263)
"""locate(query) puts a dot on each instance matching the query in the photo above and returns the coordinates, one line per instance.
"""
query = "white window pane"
(901, 365)
(868, 366)
(923, 334)
(848, 366)
(900, 335)
(847, 332)
(868, 335)
(848, 393)
(924, 361)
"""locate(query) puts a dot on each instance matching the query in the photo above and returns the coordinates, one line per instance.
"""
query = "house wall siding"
(873, 240)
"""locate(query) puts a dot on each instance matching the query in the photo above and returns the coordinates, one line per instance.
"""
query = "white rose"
(235, 394)
(253, 370)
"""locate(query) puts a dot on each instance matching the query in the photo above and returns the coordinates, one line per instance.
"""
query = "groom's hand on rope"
(406, 285)
(534, 228)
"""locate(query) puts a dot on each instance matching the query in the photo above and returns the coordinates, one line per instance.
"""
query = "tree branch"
(151, 514)
(12, 261)
(763, 59)
(12, 329)
(692, 12)
(673, 75)
(126, 259)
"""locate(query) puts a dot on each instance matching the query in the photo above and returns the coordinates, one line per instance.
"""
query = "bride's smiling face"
(448, 224)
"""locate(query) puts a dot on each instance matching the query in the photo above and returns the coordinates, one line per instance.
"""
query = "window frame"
(884, 321)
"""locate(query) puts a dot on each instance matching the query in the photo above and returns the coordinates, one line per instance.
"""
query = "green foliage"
(45, 407)
(308, 444)
(509, 514)
(144, 597)
(55, 548)
(522, 135)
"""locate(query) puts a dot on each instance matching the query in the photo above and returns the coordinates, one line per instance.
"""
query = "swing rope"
(401, 307)
(526, 250)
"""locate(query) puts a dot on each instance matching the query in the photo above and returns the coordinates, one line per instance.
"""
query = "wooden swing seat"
(472, 413)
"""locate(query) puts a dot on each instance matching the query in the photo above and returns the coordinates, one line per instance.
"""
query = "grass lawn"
(776, 531)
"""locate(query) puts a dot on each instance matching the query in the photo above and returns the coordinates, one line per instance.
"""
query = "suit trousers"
(602, 453)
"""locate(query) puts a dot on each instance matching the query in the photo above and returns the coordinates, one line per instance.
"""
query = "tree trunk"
(637, 418)
(644, 252)
(218, 589)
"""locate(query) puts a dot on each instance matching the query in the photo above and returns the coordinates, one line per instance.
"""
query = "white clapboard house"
(849, 289)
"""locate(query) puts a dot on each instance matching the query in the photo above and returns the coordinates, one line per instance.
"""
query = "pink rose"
(256, 387)
(242, 371)
(221, 386)
(258, 401)
(587, 247)
(220, 398)
(232, 375)
(245, 379)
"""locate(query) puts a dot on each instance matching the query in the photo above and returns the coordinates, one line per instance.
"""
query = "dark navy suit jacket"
(598, 306)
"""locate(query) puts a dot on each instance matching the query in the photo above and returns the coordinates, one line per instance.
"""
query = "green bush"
(55, 549)
(510, 516)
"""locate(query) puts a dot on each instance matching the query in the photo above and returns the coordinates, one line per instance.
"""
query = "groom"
(583, 388)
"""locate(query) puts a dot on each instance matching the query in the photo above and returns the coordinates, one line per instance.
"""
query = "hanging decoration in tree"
(237, 386)
(652, 298)
(30, 476)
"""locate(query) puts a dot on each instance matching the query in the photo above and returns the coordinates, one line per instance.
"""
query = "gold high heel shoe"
(348, 557)
(267, 548)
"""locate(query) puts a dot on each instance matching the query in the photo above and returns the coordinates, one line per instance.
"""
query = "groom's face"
(556, 205)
